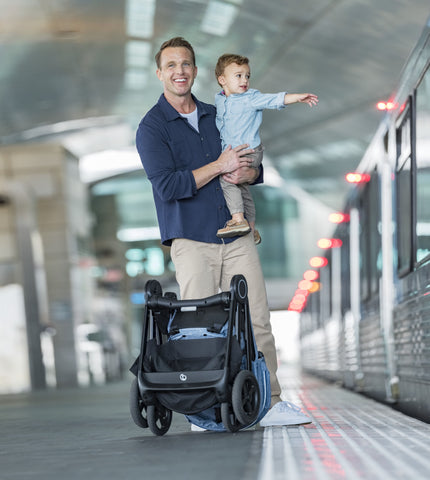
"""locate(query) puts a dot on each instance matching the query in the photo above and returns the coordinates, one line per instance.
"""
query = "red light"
(295, 308)
(305, 284)
(357, 177)
(318, 262)
(298, 302)
(329, 243)
(299, 291)
(311, 275)
(324, 243)
(386, 106)
(299, 298)
(338, 217)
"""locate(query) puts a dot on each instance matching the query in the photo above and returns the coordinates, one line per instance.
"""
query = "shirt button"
(207, 155)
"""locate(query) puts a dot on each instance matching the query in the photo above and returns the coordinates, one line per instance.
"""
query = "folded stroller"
(199, 358)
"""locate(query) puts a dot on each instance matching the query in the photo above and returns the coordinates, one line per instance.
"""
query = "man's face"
(177, 71)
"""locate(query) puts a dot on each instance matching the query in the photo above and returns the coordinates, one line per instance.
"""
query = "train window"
(345, 274)
(404, 211)
(374, 233)
(370, 238)
(364, 249)
(423, 168)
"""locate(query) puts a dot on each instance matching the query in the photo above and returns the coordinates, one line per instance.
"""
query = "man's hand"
(233, 158)
(230, 160)
(242, 175)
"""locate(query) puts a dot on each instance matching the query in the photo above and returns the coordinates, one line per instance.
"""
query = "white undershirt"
(192, 118)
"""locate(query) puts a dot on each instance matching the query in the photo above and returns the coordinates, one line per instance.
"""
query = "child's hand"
(308, 98)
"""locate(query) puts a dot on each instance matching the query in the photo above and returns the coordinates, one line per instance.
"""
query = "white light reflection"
(138, 234)
(140, 18)
(218, 18)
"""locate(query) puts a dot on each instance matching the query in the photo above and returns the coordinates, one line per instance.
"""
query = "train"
(367, 325)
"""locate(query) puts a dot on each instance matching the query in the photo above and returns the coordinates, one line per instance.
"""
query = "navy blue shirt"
(170, 148)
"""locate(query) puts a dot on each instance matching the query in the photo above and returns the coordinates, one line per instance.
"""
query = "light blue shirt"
(239, 116)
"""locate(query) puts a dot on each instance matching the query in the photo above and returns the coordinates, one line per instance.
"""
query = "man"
(180, 149)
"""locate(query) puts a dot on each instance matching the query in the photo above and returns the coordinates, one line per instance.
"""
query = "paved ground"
(88, 434)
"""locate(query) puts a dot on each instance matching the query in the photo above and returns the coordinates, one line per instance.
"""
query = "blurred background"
(78, 230)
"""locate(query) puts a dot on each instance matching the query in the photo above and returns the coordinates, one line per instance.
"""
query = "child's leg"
(233, 197)
(249, 208)
(248, 202)
(237, 225)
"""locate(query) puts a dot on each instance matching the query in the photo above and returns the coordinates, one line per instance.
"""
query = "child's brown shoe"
(257, 238)
(233, 229)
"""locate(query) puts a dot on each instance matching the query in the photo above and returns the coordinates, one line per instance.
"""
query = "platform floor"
(88, 434)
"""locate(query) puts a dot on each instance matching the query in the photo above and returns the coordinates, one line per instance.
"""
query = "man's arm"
(231, 160)
(245, 175)
(171, 183)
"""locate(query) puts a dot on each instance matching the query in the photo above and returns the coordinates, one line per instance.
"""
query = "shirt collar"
(171, 113)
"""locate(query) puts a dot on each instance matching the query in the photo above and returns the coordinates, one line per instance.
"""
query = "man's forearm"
(205, 174)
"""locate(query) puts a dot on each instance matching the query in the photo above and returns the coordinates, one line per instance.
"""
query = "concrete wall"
(50, 176)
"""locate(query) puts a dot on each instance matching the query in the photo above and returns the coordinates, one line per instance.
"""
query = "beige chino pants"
(205, 269)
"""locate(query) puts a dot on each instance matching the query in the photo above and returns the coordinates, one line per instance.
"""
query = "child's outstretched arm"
(308, 98)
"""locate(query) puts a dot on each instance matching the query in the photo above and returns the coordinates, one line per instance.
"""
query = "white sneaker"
(196, 428)
(284, 413)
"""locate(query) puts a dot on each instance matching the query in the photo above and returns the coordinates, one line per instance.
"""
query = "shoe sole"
(286, 425)
(238, 232)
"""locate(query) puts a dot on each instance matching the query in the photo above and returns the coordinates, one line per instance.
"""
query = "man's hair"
(227, 59)
(175, 42)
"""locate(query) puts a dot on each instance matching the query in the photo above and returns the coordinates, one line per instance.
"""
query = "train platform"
(87, 433)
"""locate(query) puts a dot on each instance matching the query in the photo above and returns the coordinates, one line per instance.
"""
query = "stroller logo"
(183, 377)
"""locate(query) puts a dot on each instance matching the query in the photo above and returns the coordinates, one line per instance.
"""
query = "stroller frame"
(239, 397)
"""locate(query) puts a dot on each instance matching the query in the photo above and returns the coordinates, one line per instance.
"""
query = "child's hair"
(174, 42)
(227, 59)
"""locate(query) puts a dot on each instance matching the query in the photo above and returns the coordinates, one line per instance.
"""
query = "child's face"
(235, 78)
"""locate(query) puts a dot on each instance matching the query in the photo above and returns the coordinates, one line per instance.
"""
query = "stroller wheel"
(229, 419)
(159, 419)
(245, 397)
(137, 406)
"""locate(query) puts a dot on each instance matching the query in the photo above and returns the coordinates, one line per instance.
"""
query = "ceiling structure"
(72, 64)
(84, 70)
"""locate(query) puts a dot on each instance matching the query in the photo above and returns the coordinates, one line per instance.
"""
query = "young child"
(238, 118)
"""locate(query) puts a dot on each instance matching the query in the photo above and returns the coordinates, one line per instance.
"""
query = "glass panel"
(374, 233)
(404, 210)
(404, 194)
(364, 247)
(345, 273)
(423, 168)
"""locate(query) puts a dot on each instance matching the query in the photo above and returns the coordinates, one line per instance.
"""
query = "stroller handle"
(218, 299)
